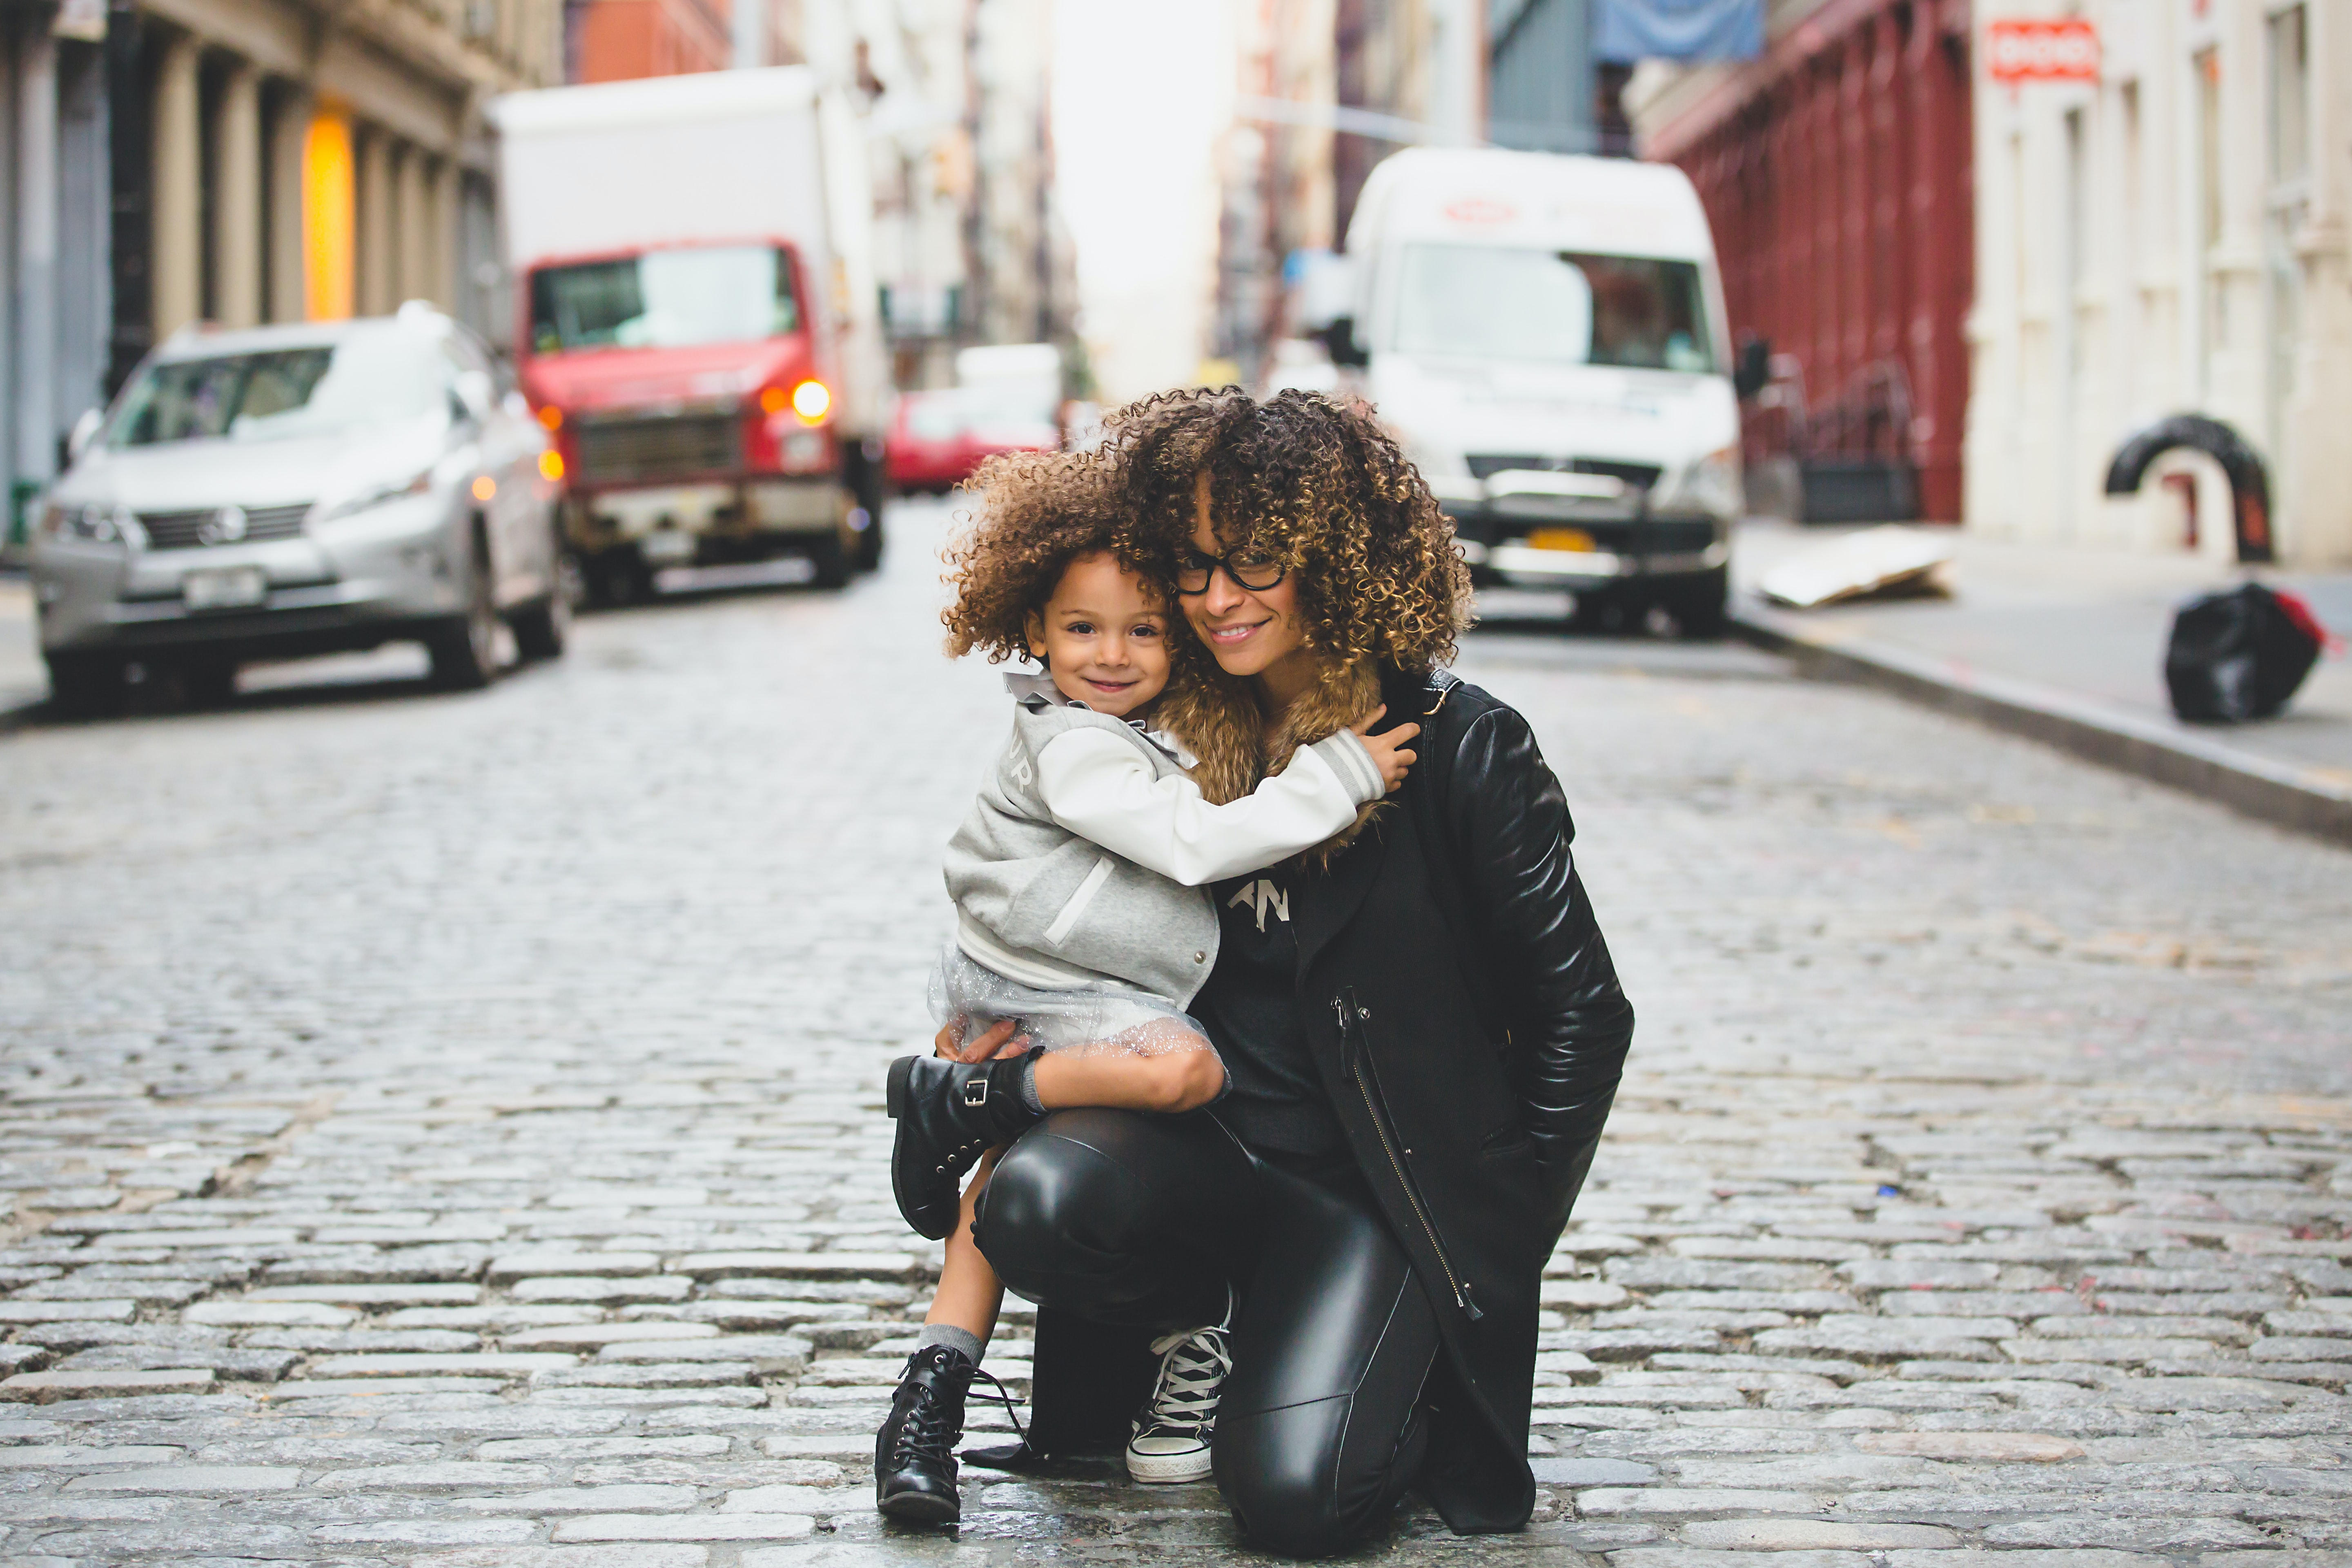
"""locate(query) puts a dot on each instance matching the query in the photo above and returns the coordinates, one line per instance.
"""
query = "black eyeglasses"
(1248, 567)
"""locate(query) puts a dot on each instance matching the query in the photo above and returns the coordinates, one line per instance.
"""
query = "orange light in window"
(551, 416)
(329, 216)
(551, 464)
(773, 399)
(811, 402)
(485, 487)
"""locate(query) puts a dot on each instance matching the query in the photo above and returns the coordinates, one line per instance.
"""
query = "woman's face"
(1253, 632)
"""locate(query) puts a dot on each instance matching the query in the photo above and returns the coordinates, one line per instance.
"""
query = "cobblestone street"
(448, 1130)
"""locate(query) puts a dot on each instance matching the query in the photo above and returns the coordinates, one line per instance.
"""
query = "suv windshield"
(664, 300)
(1561, 306)
(376, 376)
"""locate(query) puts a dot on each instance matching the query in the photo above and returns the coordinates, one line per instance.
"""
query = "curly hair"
(1035, 513)
(1320, 485)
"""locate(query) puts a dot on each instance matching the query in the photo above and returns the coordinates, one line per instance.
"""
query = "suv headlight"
(399, 490)
(93, 525)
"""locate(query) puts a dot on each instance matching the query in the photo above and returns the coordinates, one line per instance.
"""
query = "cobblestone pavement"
(446, 1129)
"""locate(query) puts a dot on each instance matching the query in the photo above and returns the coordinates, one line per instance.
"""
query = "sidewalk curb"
(2302, 799)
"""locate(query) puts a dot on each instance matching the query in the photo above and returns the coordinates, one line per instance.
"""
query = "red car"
(936, 438)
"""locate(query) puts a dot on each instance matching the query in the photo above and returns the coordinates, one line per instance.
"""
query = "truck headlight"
(92, 524)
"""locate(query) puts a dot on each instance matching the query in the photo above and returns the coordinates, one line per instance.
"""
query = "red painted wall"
(1836, 172)
(620, 40)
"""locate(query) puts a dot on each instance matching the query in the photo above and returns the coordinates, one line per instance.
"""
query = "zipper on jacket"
(1359, 1061)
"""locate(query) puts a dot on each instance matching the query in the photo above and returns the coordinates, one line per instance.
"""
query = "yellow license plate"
(1560, 538)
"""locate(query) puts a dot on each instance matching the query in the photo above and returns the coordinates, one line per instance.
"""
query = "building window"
(2078, 203)
(2290, 95)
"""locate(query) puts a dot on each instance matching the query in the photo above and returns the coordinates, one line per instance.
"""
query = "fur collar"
(1218, 719)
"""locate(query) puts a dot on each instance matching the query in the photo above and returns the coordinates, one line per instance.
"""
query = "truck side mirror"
(1753, 372)
(1339, 338)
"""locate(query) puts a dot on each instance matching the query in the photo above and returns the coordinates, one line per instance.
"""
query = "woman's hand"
(1388, 750)
(983, 1047)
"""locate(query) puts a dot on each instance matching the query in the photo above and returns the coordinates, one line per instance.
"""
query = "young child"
(1083, 922)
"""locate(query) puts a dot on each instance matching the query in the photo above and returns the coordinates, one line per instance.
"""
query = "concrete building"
(240, 162)
(1021, 270)
(2169, 239)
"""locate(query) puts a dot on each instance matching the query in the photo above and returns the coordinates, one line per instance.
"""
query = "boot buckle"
(975, 1092)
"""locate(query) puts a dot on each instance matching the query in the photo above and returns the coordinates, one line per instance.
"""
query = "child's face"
(1103, 636)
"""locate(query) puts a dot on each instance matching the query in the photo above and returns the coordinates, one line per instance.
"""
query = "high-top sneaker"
(1172, 1433)
(948, 1115)
(914, 1453)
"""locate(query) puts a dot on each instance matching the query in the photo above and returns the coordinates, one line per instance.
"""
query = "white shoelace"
(1193, 1367)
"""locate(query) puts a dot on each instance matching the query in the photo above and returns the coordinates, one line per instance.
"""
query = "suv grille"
(619, 450)
(1637, 475)
(189, 529)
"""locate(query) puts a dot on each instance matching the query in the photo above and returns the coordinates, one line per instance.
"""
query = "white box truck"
(697, 322)
(1546, 336)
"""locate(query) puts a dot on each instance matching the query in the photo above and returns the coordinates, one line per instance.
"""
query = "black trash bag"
(2240, 655)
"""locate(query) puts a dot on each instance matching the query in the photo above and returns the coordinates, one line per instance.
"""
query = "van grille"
(619, 451)
(1637, 475)
(186, 530)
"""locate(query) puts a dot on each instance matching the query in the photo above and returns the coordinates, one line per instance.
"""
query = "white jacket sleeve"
(1100, 788)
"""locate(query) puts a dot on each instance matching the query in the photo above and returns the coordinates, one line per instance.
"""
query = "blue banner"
(1628, 30)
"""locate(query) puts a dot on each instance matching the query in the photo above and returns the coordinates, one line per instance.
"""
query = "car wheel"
(541, 629)
(1698, 606)
(464, 649)
(86, 685)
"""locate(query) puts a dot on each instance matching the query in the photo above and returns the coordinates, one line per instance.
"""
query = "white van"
(1546, 336)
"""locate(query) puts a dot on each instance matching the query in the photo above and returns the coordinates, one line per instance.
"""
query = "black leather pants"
(1130, 1219)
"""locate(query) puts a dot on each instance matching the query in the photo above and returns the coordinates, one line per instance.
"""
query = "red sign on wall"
(2019, 52)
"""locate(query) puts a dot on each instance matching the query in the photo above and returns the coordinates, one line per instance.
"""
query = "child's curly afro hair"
(1033, 513)
(1317, 483)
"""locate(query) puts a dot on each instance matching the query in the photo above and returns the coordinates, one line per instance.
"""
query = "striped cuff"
(1352, 760)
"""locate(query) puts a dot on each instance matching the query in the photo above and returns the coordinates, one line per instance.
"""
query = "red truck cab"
(694, 411)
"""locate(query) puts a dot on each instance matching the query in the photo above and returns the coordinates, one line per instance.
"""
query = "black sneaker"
(1170, 1438)
(914, 1453)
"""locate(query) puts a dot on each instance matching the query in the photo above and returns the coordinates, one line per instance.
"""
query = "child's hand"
(982, 1047)
(1388, 750)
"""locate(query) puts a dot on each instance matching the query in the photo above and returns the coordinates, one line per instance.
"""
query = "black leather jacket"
(1468, 1025)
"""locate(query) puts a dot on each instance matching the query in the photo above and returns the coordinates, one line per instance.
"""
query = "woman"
(1420, 1021)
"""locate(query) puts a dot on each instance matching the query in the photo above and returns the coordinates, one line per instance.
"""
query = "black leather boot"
(948, 1115)
(914, 1453)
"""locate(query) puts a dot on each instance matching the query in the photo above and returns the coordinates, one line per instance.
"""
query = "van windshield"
(1561, 307)
(664, 300)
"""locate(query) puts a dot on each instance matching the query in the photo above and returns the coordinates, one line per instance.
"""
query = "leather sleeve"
(1511, 830)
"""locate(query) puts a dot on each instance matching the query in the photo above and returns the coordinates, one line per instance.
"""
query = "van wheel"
(206, 682)
(86, 685)
(1697, 605)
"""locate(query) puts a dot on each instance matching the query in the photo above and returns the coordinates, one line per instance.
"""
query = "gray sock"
(1029, 1084)
(955, 1339)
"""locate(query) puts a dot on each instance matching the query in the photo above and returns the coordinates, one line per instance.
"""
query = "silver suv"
(299, 489)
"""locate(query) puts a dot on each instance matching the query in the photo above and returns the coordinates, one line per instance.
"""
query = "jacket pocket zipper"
(1350, 1015)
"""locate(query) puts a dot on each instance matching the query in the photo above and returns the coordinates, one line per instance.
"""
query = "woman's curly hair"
(1319, 484)
(1035, 513)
